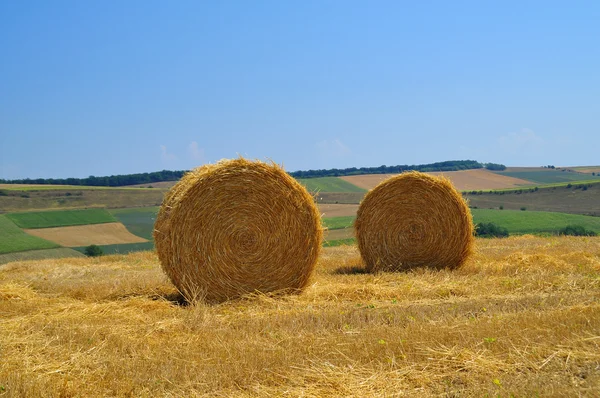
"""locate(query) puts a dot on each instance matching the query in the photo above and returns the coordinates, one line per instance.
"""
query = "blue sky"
(116, 87)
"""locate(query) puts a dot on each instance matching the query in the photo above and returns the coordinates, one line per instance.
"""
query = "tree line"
(450, 165)
(168, 175)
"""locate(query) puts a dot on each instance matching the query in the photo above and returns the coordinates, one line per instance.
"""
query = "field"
(13, 239)
(138, 221)
(60, 218)
(54, 199)
(586, 169)
(122, 248)
(329, 184)
(522, 318)
(339, 210)
(84, 235)
(532, 222)
(545, 176)
(61, 252)
(560, 199)
(478, 179)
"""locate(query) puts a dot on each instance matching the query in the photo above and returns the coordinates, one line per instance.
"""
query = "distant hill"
(167, 175)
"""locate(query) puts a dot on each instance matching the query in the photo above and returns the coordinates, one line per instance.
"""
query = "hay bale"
(237, 227)
(413, 220)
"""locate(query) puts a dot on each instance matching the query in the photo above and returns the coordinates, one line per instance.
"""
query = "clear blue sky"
(116, 87)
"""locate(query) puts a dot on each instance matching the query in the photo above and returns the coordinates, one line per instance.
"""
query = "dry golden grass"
(84, 235)
(521, 318)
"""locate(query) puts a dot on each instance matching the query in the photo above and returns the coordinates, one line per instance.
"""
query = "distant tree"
(495, 166)
(576, 230)
(93, 251)
(490, 230)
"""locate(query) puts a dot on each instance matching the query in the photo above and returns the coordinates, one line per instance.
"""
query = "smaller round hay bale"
(237, 227)
(414, 220)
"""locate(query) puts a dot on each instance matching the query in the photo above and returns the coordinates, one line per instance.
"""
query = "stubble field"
(522, 318)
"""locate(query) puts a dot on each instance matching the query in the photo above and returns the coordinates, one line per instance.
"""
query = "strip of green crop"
(13, 239)
(60, 218)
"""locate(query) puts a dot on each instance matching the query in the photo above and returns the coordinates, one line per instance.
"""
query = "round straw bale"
(413, 220)
(237, 227)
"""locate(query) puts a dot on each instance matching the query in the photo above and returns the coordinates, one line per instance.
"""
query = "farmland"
(60, 218)
(329, 184)
(477, 179)
(13, 239)
(565, 199)
(55, 199)
(533, 222)
(545, 176)
(80, 235)
(138, 221)
(521, 318)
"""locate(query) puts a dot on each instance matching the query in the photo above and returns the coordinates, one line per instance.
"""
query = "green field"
(123, 248)
(534, 222)
(516, 221)
(139, 221)
(339, 242)
(548, 176)
(338, 222)
(61, 252)
(60, 218)
(329, 184)
(13, 239)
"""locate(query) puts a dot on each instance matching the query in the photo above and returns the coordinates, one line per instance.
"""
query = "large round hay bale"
(237, 227)
(414, 220)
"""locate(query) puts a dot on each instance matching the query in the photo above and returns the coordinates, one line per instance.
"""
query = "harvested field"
(464, 180)
(479, 179)
(522, 319)
(84, 235)
(339, 210)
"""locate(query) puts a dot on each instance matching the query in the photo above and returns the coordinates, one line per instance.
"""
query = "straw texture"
(414, 220)
(237, 227)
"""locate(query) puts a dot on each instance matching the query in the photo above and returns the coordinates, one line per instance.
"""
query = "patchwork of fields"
(125, 221)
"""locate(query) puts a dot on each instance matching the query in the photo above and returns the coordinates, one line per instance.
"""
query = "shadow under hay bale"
(237, 227)
(414, 220)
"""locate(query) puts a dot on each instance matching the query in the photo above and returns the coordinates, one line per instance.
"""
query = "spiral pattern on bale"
(237, 227)
(414, 220)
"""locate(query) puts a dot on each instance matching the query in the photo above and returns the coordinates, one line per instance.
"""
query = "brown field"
(339, 210)
(464, 180)
(522, 318)
(84, 235)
